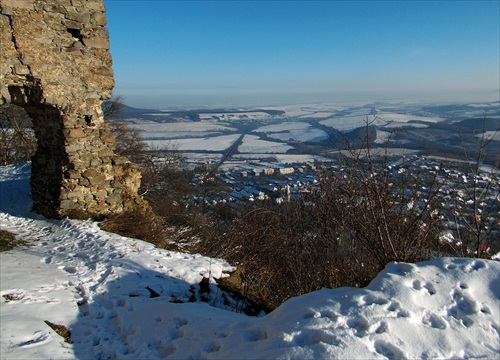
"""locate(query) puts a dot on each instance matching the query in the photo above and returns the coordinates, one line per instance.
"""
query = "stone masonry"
(55, 63)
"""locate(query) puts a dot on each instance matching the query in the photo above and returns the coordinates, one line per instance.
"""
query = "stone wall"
(55, 63)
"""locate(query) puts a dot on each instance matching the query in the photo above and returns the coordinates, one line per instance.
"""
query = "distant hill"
(481, 124)
(184, 115)
(130, 112)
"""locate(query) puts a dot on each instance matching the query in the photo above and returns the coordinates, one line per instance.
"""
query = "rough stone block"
(71, 24)
(119, 160)
(80, 17)
(101, 194)
(96, 42)
(19, 4)
(54, 8)
(20, 69)
(95, 5)
(99, 18)
(76, 133)
(77, 193)
(73, 174)
(68, 204)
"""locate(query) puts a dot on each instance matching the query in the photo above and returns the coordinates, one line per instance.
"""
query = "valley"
(298, 134)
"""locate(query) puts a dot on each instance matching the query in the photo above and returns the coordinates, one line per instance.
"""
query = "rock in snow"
(100, 287)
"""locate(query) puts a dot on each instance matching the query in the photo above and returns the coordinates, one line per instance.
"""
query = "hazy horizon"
(172, 101)
(251, 53)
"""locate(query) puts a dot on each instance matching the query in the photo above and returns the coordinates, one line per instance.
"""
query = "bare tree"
(17, 138)
(113, 107)
(477, 201)
(128, 139)
(394, 216)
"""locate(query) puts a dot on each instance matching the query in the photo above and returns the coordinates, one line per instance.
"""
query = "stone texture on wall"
(55, 63)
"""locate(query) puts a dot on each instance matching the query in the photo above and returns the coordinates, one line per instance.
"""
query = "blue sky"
(237, 53)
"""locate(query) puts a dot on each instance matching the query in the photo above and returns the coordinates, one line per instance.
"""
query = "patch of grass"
(8, 241)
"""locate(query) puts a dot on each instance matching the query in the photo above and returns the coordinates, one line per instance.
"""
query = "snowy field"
(186, 136)
(358, 118)
(403, 118)
(349, 123)
(214, 143)
(293, 130)
(490, 135)
(100, 286)
(310, 110)
(155, 130)
(253, 144)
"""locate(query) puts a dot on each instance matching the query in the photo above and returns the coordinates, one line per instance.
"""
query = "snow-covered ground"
(178, 130)
(357, 119)
(349, 123)
(295, 130)
(403, 118)
(253, 144)
(101, 286)
(214, 143)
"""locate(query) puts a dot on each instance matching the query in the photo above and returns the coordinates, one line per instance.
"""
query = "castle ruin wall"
(56, 64)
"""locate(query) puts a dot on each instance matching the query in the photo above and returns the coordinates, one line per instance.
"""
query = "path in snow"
(123, 298)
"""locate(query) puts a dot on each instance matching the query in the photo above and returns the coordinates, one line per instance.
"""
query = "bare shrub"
(476, 205)
(144, 225)
(395, 217)
(162, 173)
(362, 217)
(128, 141)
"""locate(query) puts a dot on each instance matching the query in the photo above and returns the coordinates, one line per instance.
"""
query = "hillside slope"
(123, 298)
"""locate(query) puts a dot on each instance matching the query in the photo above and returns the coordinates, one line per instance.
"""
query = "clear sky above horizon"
(237, 53)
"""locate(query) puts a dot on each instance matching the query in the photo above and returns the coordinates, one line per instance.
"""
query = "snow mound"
(124, 298)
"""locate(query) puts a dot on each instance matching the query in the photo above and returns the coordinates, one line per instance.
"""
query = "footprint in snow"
(395, 307)
(382, 327)
(389, 350)
(402, 268)
(475, 266)
(428, 287)
(360, 325)
(310, 337)
(69, 269)
(451, 266)
(434, 321)
(212, 346)
(331, 315)
(255, 335)
(372, 300)
(175, 334)
(180, 322)
(463, 306)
